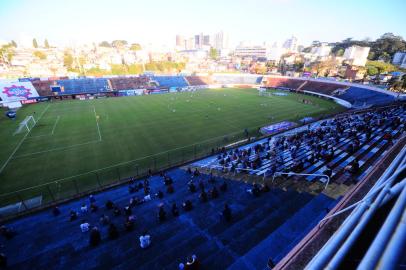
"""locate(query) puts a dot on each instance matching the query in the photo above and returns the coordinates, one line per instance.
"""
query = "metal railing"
(61, 189)
(277, 174)
(236, 170)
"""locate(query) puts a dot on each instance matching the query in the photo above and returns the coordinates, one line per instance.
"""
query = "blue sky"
(158, 21)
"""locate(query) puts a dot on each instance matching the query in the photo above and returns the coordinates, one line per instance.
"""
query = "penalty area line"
(22, 140)
(56, 149)
(97, 123)
(56, 122)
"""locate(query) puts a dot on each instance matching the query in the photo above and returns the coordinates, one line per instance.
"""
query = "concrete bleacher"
(128, 83)
(82, 86)
(43, 87)
(368, 150)
(170, 81)
(198, 80)
(236, 79)
(358, 95)
(280, 241)
(284, 83)
(45, 240)
(321, 87)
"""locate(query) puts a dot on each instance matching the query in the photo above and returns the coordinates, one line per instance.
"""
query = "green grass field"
(143, 132)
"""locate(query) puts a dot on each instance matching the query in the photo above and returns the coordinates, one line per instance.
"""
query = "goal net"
(26, 125)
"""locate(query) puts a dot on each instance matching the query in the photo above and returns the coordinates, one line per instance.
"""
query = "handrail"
(332, 253)
(239, 169)
(276, 174)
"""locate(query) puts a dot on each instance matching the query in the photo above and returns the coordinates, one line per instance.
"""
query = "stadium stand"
(359, 96)
(202, 231)
(43, 87)
(266, 223)
(283, 83)
(198, 80)
(373, 236)
(128, 83)
(268, 218)
(326, 88)
(334, 144)
(170, 81)
(86, 85)
(247, 79)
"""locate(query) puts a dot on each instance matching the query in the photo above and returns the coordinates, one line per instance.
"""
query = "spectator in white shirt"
(83, 209)
(85, 226)
(145, 240)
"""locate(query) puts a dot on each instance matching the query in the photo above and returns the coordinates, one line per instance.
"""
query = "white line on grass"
(97, 123)
(22, 140)
(43, 135)
(56, 122)
(56, 149)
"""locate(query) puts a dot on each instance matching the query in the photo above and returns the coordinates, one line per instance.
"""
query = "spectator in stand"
(192, 263)
(93, 207)
(187, 205)
(6, 232)
(196, 173)
(328, 171)
(73, 215)
(203, 196)
(104, 220)
(223, 186)
(83, 208)
(56, 211)
(254, 190)
(227, 213)
(214, 193)
(129, 223)
(145, 240)
(160, 194)
(264, 188)
(192, 187)
(353, 168)
(116, 211)
(170, 189)
(84, 226)
(175, 210)
(92, 199)
(109, 205)
(212, 179)
(161, 213)
(112, 231)
(3, 261)
(94, 237)
(127, 210)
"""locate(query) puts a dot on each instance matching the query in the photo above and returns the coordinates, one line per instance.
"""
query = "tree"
(34, 43)
(135, 47)
(340, 52)
(40, 55)
(46, 44)
(381, 66)
(213, 53)
(105, 44)
(14, 44)
(372, 70)
(119, 43)
(68, 60)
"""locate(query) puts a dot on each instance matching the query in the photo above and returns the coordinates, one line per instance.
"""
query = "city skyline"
(158, 22)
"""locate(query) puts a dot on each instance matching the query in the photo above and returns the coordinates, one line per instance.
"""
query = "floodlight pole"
(301, 174)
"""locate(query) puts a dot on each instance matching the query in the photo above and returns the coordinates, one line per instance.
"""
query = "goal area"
(26, 125)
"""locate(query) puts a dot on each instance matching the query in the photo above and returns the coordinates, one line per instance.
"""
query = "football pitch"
(95, 142)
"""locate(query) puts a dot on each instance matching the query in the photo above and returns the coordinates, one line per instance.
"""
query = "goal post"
(26, 125)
